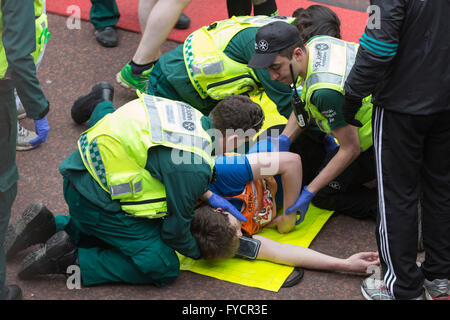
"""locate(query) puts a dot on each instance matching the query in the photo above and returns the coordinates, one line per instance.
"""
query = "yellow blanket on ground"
(261, 274)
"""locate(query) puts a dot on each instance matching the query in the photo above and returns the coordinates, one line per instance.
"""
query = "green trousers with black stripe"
(113, 246)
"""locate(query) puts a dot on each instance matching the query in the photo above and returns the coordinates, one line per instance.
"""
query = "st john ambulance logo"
(263, 45)
(188, 125)
(322, 46)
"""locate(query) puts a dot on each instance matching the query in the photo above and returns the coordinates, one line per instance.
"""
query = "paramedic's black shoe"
(58, 253)
(36, 225)
(293, 278)
(84, 106)
(13, 292)
(183, 22)
(107, 36)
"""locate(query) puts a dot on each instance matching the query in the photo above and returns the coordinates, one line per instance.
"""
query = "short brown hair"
(317, 20)
(215, 236)
(237, 112)
(289, 51)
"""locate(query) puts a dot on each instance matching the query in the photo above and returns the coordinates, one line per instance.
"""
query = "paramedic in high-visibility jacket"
(131, 188)
(17, 70)
(321, 66)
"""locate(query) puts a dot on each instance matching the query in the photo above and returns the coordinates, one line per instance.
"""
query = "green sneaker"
(127, 79)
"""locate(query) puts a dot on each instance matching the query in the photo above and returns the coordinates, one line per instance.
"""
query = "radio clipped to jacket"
(302, 115)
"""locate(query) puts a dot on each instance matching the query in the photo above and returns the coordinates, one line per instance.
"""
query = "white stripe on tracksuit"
(389, 277)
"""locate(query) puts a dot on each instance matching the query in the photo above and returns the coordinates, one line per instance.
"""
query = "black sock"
(139, 68)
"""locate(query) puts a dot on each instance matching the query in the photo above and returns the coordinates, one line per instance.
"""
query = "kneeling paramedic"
(322, 66)
(18, 36)
(131, 188)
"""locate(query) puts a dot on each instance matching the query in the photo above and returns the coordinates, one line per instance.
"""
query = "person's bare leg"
(144, 9)
(161, 20)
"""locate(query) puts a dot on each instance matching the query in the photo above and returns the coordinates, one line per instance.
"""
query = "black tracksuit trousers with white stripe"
(412, 160)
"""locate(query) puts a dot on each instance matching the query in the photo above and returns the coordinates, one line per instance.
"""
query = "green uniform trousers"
(160, 86)
(114, 246)
(8, 169)
(104, 13)
(6, 202)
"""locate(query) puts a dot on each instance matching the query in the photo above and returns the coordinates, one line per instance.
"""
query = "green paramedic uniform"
(169, 78)
(115, 246)
(330, 61)
(104, 13)
(17, 70)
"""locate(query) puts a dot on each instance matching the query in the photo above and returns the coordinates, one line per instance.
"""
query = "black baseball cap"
(271, 39)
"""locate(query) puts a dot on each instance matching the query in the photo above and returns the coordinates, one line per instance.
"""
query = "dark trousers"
(6, 201)
(346, 194)
(412, 162)
(8, 168)
(244, 8)
(104, 13)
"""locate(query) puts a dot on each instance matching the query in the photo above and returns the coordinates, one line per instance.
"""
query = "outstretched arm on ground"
(291, 255)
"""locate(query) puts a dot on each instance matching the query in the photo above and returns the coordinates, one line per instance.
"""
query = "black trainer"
(13, 292)
(36, 225)
(107, 36)
(183, 22)
(84, 106)
(58, 253)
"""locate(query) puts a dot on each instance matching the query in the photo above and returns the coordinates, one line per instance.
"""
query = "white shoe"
(375, 289)
(24, 136)
(438, 289)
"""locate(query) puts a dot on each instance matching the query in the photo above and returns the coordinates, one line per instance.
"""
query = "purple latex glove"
(216, 201)
(302, 204)
(283, 143)
(42, 128)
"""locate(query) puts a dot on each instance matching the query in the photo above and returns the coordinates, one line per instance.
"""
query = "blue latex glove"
(329, 143)
(216, 201)
(42, 128)
(282, 143)
(302, 204)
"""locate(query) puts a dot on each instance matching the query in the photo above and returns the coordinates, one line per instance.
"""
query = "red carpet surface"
(204, 12)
